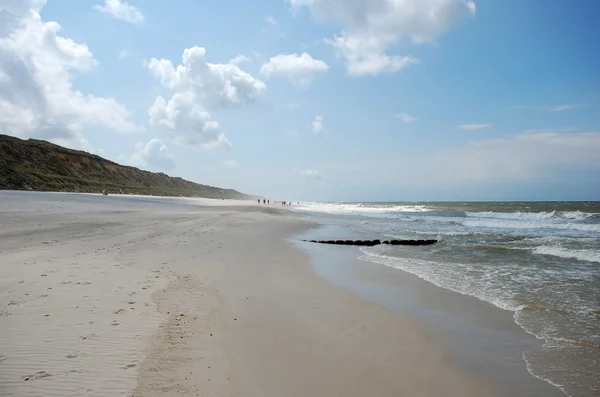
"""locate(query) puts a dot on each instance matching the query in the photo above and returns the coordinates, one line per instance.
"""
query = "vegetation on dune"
(39, 165)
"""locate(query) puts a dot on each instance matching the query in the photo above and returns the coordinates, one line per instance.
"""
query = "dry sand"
(110, 296)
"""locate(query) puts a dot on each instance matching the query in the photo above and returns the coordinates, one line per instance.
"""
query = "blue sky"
(383, 100)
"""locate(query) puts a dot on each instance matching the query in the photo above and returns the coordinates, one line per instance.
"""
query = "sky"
(320, 100)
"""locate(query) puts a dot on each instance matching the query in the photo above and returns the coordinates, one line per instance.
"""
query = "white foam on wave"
(581, 254)
(359, 209)
(531, 224)
(567, 215)
(447, 278)
(557, 240)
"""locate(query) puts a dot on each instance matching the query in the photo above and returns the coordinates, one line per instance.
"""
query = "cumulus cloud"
(310, 174)
(371, 27)
(37, 98)
(230, 164)
(318, 126)
(197, 87)
(270, 20)
(365, 57)
(299, 68)
(154, 153)
(405, 117)
(121, 10)
(473, 127)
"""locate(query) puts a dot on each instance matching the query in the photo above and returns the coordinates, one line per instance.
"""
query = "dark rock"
(370, 243)
(413, 242)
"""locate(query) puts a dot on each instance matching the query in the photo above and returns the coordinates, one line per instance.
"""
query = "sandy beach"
(128, 296)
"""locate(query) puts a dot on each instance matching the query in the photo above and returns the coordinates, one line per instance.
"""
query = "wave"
(516, 224)
(360, 209)
(446, 278)
(565, 215)
(558, 240)
(581, 254)
(538, 306)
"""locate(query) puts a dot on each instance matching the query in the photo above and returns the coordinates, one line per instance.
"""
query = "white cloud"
(37, 98)
(154, 153)
(540, 158)
(198, 87)
(473, 127)
(371, 27)
(300, 68)
(121, 10)
(405, 117)
(365, 57)
(125, 53)
(240, 59)
(270, 20)
(562, 108)
(564, 129)
(523, 156)
(292, 104)
(310, 174)
(230, 164)
(557, 108)
(318, 126)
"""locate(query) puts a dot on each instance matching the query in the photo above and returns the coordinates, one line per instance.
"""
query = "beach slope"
(106, 298)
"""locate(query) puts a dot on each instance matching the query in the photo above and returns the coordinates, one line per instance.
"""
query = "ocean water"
(539, 260)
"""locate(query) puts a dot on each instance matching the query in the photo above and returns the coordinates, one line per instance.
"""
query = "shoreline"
(479, 337)
(196, 300)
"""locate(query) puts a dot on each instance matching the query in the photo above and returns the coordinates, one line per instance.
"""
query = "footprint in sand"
(119, 311)
(36, 376)
(114, 323)
(128, 366)
(73, 355)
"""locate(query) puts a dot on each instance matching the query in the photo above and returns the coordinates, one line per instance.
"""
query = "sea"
(538, 260)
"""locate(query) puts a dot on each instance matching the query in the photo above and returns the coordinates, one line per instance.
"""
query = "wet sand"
(477, 337)
(121, 296)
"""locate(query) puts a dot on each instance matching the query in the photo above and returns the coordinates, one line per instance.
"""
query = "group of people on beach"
(283, 203)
